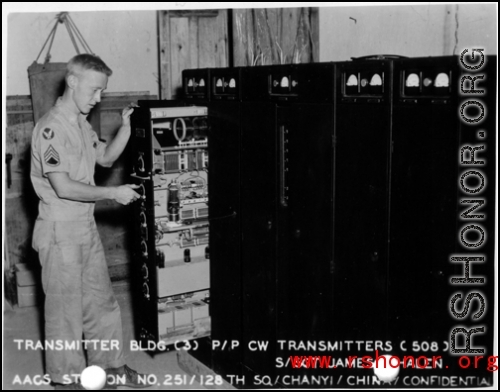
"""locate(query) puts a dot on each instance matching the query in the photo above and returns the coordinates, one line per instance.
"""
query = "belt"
(78, 212)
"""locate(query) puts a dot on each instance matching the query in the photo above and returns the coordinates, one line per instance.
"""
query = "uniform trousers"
(79, 299)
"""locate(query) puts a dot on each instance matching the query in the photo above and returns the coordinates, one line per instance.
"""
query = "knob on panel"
(145, 290)
(144, 248)
(140, 165)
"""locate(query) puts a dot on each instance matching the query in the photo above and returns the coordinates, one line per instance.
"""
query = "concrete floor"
(27, 323)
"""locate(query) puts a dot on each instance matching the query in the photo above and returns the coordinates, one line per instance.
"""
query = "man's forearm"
(66, 188)
(116, 147)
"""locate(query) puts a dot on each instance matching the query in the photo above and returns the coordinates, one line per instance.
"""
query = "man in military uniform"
(79, 296)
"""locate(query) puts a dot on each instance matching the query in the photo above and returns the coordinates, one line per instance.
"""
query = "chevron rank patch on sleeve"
(51, 156)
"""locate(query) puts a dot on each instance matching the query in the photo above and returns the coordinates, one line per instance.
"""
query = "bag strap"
(73, 31)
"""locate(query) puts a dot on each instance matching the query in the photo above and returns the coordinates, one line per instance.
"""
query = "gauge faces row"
(414, 83)
(313, 82)
(224, 85)
(280, 84)
(195, 84)
(425, 83)
(363, 83)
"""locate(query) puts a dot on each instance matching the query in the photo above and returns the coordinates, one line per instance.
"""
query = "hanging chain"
(73, 32)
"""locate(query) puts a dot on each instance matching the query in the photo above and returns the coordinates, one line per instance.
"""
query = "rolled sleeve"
(54, 155)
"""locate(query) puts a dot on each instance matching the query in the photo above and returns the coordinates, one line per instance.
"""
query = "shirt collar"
(73, 119)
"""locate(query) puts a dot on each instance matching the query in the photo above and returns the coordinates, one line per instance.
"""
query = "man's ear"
(71, 81)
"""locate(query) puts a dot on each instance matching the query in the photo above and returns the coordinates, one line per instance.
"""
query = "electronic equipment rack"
(336, 198)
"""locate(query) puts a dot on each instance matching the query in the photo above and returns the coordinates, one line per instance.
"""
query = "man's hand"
(117, 145)
(125, 194)
(127, 112)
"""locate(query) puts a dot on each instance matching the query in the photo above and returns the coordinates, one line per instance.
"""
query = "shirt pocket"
(77, 167)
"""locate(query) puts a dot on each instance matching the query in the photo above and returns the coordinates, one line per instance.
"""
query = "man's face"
(88, 87)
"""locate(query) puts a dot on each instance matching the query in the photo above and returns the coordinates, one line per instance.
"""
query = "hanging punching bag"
(47, 81)
(46, 84)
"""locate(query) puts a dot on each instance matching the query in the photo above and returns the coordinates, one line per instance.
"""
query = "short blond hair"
(82, 62)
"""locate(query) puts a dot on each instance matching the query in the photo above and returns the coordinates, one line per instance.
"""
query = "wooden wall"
(21, 202)
(275, 36)
(240, 37)
(190, 39)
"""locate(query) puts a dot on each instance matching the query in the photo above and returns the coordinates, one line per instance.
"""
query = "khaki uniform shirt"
(62, 145)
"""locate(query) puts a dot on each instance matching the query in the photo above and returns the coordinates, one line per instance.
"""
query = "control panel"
(170, 168)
